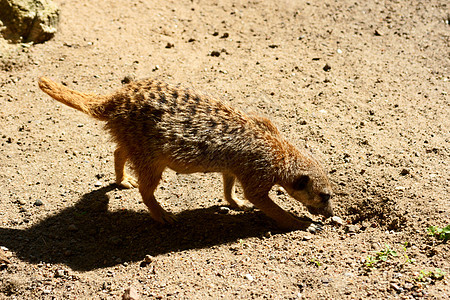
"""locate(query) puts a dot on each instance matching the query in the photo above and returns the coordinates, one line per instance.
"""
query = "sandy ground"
(364, 84)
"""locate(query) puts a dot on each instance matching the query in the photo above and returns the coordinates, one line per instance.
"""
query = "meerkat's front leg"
(123, 179)
(229, 182)
(284, 219)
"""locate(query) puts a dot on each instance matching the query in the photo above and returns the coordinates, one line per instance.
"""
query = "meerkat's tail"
(91, 104)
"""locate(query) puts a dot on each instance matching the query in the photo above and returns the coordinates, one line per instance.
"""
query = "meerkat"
(157, 125)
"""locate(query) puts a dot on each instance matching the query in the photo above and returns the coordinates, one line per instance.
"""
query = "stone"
(337, 220)
(72, 227)
(307, 237)
(59, 273)
(249, 277)
(352, 228)
(130, 294)
(127, 79)
(29, 20)
(404, 172)
(148, 258)
(224, 210)
(4, 258)
(98, 183)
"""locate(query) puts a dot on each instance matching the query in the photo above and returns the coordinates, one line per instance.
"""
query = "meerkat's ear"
(301, 182)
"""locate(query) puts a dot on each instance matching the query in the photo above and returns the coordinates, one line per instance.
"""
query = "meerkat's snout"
(324, 208)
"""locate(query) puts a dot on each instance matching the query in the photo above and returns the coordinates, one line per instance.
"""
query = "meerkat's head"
(314, 191)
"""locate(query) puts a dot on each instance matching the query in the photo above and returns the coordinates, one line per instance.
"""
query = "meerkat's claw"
(128, 182)
(314, 227)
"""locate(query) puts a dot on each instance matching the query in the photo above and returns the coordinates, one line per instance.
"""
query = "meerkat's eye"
(324, 197)
(301, 182)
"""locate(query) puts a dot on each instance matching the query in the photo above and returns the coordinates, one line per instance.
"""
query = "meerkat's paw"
(241, 205)
(295, 223)
(314, 227)
(128, 182)
(163, 217)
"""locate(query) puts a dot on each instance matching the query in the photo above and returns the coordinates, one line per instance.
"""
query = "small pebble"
(311, 229)
(127, 79)
(352, 228)
(248, 277)
(404, 172)
(4, 258)
(224, 210)
(215, 53)
(72, 227)
(307, 237)
(148, 258)
(59, 273)
(396, 288)
(98, 183)
(337, 220)
(130, 294)
(38, 202)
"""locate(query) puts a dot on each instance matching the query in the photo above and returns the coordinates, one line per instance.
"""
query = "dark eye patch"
(301, 182)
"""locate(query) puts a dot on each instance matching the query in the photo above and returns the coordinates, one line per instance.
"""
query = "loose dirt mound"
(364, 85)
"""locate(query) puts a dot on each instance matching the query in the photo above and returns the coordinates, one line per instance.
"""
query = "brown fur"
(158, 125)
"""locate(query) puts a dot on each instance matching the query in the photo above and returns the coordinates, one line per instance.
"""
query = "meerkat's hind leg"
(229, 185)
(148, 181)
(122, 178)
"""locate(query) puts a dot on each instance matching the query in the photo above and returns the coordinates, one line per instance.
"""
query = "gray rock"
(29, 20)
(38, 202)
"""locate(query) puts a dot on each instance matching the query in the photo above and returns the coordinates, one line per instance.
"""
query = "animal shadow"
(88, 236)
